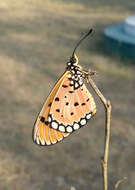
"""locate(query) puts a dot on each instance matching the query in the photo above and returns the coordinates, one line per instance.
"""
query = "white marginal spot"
(81, 82)
(49, 119)
(69, 63)
(69, 129)
(61, 128)
(42, 142)
(76, 126)
(54, 125)
(83, 122)
(72, 82)
(76, 85)
(48, 143)
(73, 71)
(66, 135)
(88, 116)
(69, 75)
(79, 73)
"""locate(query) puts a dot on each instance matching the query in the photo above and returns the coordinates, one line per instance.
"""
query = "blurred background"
(36, 40)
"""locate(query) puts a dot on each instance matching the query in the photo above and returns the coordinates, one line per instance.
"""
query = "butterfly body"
(75, 75)
(68, 107)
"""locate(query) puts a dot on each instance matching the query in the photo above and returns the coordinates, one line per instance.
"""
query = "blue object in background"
(120, 39)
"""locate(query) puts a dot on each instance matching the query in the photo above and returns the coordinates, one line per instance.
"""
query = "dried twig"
(107, 106)
(119, 182)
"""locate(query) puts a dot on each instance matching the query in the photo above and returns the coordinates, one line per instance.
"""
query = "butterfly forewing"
(71, 108)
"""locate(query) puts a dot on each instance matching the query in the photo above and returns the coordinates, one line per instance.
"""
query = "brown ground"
(36, 40)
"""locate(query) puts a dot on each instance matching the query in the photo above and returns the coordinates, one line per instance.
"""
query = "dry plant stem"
(119, 182)
(107, 106)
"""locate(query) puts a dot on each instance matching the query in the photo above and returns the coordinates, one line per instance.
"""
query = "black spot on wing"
(57, 99)
(76, 104)
(64, 86)
(42, 119)
(46, 122)
(57, 110)
(83, 104)
(49, 105)
(71, 91)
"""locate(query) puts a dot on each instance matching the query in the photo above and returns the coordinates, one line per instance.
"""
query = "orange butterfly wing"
(43, 134)
(71, 108)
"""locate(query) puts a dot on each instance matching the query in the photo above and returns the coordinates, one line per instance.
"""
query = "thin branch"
(119, 182)
(107, 106)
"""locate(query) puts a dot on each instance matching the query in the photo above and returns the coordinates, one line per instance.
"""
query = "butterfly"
(68, 107)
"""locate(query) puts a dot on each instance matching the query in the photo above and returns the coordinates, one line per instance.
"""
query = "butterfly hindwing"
(43, 134)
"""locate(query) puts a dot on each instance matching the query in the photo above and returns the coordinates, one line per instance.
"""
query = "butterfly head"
(73, 61)
(72, 64)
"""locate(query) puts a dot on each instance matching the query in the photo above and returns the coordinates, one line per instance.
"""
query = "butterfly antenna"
(90, 31)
